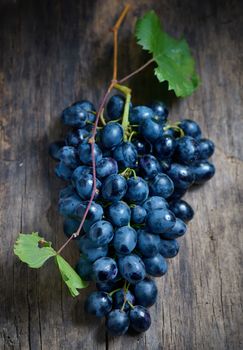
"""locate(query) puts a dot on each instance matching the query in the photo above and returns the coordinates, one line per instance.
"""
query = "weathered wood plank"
(52, 53)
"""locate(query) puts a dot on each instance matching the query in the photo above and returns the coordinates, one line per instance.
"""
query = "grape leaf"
(69, 276)
(173, 57)
(33, 249)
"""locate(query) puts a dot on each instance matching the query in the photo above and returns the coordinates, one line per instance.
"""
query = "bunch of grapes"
(132, 226)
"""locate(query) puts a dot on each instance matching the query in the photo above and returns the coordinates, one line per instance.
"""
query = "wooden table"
(53, 53)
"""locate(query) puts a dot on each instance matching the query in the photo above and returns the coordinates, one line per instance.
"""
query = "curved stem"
(120, 81)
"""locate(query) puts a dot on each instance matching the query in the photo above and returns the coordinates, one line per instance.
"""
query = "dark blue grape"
(165, 165)
(101, 232)
(70, 226)
(85, 184)
(160, 110)
(63, 172)
(155, 202)
(206, 148)
(68, 155)
(172, 132)
(66, 192)
(98, 304)
(187, 150)
(105, 167)
(169, 248)
(89, 108)
(85, 268)
(125, 240)
(104, 269)
(177, 194)
(95, 213)
(181, 175)
(74, 116)
(149, 166)
(151, 130)
(74, 138)
(160, 220)
(119, 298)
(148, 243)
(138, 214)
(132, 268)
(190, 128)
(91, 250)
(140, 319)
(79, 172)
(203, 171)
(140, 113)
(126, 155)
(178, 230)
(55, 147)
(67, 206)
(165, 147)
(115, 107)
(182, 210)
(119, 214)
(156, 265)
(161, 185)
(84, 151)
(142, 146)
(137, 190)
(117, 322)
(107, 286)
(114, 188)
(146, 292)
(111, 135)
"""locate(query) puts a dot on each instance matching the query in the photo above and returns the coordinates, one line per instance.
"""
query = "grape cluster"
(137, 213)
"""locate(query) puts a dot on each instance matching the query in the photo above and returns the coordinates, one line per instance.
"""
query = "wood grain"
(55, 52)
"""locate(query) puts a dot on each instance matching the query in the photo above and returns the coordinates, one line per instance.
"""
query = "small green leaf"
(173, 57)
(33, 249)
(70, 277)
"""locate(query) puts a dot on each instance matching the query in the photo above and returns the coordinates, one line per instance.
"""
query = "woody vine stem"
(114, 84)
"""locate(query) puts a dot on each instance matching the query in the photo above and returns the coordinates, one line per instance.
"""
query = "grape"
(91, 250)
(126, 155)
(101, 232)
(178, 230)
(160, 110)
(104, 269)
(131, 268)
(105, 167)
(119, 298)
(182, 210)
(148, 243)
(74, 116)
(156, 265)
(140, 113)
(119, 214)
(187, 150)
(165, 147)
(140, 319)
(146, 292)
(181, 175)
(203, 171)
(98, 304)
(117, 322)
(137, 190)
(114, 188)
(54, 149)
(84, 268)
(190, 128)
(155, 202)
(125, 240)
(169, 248)
(161, 185)
(151, 130)
(149, 166)
(84, 151)
(111, 135)
(138, 214)
(206, 148)
(160, 220)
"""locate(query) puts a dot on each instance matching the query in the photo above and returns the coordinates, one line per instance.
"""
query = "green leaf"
(70, 277)
(173, 57)
(33, 249)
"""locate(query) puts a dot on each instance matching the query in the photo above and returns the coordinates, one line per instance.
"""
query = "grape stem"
(127, 92)
(136, 71)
